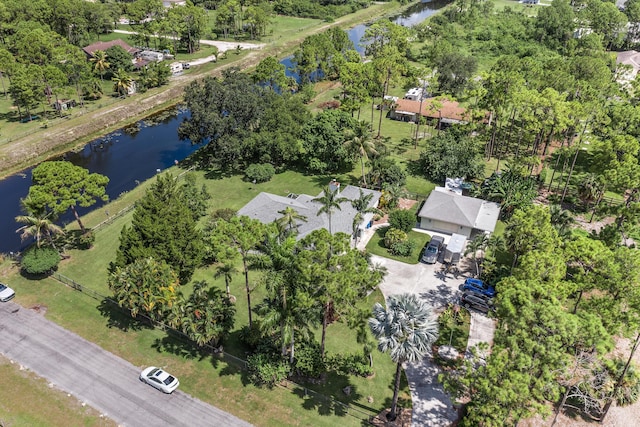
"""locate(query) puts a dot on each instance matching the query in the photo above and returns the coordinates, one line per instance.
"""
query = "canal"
(132, 155)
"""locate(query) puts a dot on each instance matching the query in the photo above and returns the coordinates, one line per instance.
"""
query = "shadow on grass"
(335, 385)
(187, 349)
(118, 318)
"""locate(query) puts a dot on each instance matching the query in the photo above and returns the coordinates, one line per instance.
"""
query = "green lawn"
(376, 246)
(201, 374)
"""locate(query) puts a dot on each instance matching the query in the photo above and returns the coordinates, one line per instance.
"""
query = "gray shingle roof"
(265, 207)
(446, 206)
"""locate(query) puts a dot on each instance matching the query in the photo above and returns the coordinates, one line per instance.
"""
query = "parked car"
(477, 286)
(477, 302)
(6, 293)
(430, 254)
(159, 379)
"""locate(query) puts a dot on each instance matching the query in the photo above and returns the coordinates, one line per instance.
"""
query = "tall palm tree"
(329, 201)
(406, 329)
(38, 227)
(359, 140)
(361, 205)
(289, 219)
(100, 63)
(122, 82)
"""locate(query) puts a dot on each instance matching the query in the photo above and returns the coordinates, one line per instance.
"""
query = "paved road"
(97, 377)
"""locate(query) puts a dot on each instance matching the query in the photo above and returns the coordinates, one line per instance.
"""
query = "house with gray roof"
(266, 207)
(447, 212)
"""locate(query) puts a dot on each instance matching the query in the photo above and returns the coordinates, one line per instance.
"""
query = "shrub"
(350, 364)
(225, 214)
(266, 369)
(86, 240)
(260, 172)
(393, 236)
(251, 336)
(329, 105)
(39, 261)
(404, 248)
(308, 362)
(402, 219)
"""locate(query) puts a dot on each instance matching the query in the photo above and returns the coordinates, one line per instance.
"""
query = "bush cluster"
(39, 261)
(260, 172)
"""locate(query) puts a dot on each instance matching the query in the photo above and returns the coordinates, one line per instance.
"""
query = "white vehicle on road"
(159, 379)
(6, 293)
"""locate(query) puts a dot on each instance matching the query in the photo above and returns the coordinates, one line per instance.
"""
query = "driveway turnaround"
(94, 376)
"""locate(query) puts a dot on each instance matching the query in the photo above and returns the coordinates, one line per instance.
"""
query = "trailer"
(454, 250)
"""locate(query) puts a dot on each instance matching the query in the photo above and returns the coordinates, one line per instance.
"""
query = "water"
(126, 158)
(413, 15)
(131, 158)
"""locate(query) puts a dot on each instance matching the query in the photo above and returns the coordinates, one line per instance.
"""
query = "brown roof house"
(89, 50)
(442, 111)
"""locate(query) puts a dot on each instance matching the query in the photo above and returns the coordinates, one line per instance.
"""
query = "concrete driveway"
(432, 406)
(99, 378)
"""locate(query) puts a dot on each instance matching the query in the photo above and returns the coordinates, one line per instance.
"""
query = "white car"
(6, 293)
(159, 379)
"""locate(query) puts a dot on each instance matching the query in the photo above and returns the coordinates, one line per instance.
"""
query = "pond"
(128, 157)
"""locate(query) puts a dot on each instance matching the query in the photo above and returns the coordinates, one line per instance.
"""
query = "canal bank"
(54, 141)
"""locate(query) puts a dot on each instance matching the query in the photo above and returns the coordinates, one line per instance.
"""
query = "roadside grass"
(376, 246)
(28, 400)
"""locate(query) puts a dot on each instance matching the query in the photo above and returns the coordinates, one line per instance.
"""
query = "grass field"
(28, 400)
(376, 246)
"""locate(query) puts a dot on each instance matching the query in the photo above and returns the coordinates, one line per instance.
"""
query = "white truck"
(454, 249)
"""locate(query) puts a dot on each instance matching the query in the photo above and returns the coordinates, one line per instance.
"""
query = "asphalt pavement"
(98, 378)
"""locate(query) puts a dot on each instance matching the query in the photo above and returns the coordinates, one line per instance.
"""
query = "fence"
(362, 412)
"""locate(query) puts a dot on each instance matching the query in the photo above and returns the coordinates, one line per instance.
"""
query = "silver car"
(430, 255)
(159, 379)
(6, 293)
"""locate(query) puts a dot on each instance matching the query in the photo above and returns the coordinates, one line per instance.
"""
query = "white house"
(447, 212)
(150, 55)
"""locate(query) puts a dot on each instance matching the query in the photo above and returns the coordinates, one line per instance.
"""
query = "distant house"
(628, 65)
(415, 94)
(530, 1)
(170, 3)
(447, 212)
(442, 111)
(64, 104)
(266, 207)
(151, 55)
(92, 48)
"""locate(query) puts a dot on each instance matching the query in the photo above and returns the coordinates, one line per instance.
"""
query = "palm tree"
(329, 201)
(478, 243)
(561, 220)
(392, 194)
(406, 329)
(359, 140)
(361, 205)
(100, 63)
(122, 82)
(38, 227)
(227, 269)
(289, 218)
